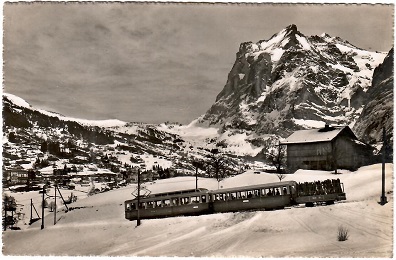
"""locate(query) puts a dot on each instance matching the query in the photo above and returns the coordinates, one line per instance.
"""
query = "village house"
(328, 148)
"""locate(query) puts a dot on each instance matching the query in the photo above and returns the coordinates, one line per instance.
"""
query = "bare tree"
(277, 157)
(217, 165)
(281, 176)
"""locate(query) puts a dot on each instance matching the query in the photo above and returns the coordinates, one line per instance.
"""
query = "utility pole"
(5, 213)
(196, 177)
(197, 164)
(42, 209)
(138, 200)
(55, 206)
(31, 210)
(383, 197)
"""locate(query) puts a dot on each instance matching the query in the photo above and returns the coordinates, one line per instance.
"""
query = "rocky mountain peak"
(291, 82)
(292, 28)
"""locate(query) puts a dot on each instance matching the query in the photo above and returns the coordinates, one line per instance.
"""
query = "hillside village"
(37, 154)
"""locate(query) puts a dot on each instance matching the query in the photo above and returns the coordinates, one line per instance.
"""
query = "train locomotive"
(201, 201)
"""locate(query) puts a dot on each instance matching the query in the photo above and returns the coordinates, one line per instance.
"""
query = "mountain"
(37, 139)
(378, 112)
(292, 82)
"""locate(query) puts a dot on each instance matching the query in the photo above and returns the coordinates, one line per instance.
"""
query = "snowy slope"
(99, 227)
(102, 123)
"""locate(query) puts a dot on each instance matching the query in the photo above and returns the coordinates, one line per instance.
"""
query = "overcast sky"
(154, 62)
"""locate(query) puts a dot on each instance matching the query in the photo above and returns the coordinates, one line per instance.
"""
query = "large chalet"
(328, 148)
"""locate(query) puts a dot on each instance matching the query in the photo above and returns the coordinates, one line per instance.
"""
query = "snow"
(191, 132)
(312, 135)
(102, 123)
(276, 54)
(279, 37)
(17, 100)
(99, 227)
(237, 144)
(303, 41)
(309, 123)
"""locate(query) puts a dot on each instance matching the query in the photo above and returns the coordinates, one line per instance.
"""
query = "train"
(269, 196)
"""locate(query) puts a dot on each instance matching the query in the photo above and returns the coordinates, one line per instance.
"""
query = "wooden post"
(383, 197)
(138, 200)
(196, 178)
(64, 202)
(55, 206)
(42, 209)
(31, 210)
(5, 213)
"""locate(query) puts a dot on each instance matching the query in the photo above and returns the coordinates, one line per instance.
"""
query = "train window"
(269, 192)
(249, 194)
(195, 199)
(175, 201)
(133, 206)
(203, 198)
(185, 200)
(233, 195)
(166, 203)
(157, 203)
(284, 191)
(243, 194)
(257, 193)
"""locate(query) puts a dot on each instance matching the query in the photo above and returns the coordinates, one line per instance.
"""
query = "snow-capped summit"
(292, 81)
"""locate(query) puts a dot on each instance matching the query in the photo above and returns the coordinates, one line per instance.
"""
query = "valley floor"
(99, 227)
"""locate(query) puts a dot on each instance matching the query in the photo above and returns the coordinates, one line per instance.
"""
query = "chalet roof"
(325, 134)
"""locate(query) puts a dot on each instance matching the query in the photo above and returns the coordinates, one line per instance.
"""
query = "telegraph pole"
(5, 213)
(31, 210)
(55, 206)
(138, 200)
(196, 177)
(42, 209)
(383, 197)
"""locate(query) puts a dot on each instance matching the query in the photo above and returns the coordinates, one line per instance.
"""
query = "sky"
(147, 62)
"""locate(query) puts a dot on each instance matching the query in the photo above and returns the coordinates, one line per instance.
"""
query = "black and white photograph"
(212, 129)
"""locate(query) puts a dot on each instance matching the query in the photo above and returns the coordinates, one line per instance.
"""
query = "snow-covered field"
(98, 227)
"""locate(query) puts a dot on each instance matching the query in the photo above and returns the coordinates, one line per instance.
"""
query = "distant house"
(17, 176)
(328, 148)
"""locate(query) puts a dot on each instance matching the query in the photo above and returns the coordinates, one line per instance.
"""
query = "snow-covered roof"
(315, 135)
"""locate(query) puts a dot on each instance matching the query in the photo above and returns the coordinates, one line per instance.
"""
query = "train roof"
(178, 192)
(169, 194)
(257, 186)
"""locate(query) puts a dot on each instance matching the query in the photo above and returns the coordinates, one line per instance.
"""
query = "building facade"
(328, 148)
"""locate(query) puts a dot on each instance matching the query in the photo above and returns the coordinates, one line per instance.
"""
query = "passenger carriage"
(318, 192)
(254, 197)
(262, 197)
(169, 204)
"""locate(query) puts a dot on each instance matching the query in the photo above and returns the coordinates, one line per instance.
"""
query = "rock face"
(378, 112)
(292, 82)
